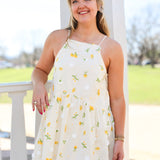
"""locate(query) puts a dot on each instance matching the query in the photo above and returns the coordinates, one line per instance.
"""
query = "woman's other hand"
(118, 152)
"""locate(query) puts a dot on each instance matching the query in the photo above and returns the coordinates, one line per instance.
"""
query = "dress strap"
(102, 40)
(69, 32)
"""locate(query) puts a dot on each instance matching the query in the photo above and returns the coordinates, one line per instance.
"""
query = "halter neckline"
(80, 42)
(99, 44)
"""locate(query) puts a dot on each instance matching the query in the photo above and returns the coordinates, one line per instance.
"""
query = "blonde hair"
(100, 19)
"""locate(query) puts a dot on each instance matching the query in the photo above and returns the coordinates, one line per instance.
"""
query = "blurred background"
(24, 26)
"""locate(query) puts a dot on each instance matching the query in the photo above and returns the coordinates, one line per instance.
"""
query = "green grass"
(17, 75)
(143, 83)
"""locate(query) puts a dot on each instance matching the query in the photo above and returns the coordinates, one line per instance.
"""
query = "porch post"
(114, 13)
(64, 13)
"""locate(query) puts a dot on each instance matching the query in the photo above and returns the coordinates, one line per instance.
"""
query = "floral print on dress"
(79, 118)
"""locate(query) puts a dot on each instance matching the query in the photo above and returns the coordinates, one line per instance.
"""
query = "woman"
(86, 116)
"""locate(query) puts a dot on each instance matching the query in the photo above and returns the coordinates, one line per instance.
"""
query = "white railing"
(17, 91)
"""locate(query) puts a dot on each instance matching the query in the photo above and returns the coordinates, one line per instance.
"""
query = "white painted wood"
(19, 86)
(37, 123)
(64, 13)
(18, 136)
(0, 154)
(114, 13)
(14, 87)
(17, 91)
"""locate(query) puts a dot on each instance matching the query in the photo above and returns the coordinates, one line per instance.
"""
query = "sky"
(25, 24)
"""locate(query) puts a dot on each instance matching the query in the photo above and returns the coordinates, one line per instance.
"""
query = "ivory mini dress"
(78, 124)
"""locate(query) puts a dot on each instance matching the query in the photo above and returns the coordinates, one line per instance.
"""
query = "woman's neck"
(85, 32)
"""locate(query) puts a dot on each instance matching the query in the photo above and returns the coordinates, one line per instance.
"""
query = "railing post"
(18, 139)
(37, 123)
(0, 154)
(17, 91)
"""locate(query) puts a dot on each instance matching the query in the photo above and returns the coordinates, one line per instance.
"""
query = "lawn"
(143, 83)
(17, 75)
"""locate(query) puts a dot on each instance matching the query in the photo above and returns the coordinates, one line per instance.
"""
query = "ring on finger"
(35, 102)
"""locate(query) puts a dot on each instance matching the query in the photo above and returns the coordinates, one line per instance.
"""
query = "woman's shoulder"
(56, 39)
(57, 35)
(112, 46)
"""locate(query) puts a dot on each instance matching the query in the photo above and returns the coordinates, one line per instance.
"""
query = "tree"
(149, 47)
(133, 39)
(36, 55)
(28, 59)
(2, 52)
(143, 37)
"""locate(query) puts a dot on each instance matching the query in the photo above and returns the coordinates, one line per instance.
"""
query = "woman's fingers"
(40, 104)
(118, 156)
(40, 99)
(33, 105)
(115, 156)
(36, 102)
(121, 156)
(46, 99)
(43, 105)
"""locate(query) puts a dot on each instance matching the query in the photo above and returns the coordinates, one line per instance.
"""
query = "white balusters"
(17, 91)
(18, 136)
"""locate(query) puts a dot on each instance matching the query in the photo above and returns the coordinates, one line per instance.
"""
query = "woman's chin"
(85, 21)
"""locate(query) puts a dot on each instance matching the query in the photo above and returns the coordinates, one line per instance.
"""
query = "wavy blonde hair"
(100, 19)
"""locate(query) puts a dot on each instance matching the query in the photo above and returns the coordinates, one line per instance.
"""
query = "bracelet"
(120, 138)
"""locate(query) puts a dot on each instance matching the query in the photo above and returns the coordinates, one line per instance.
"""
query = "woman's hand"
(118, 153)
(40, 98)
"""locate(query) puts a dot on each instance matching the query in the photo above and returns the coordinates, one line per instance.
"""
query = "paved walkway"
(144, 130)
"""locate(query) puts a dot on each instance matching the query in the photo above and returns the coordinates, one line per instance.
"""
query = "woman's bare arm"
(45, 63)
(115, 89)
(40, 75)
